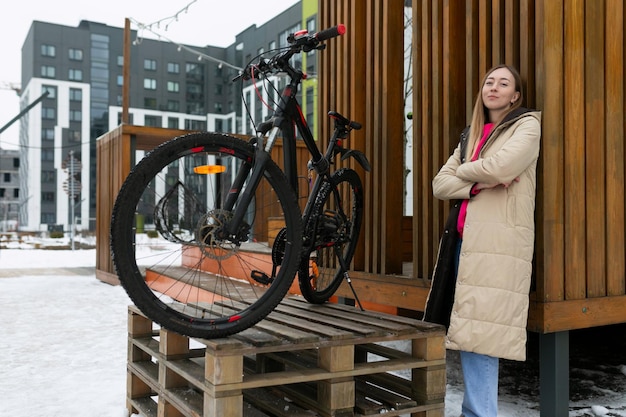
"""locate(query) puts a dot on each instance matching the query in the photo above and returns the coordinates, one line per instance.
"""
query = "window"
(48, 176)
(16, 162)
(272, 45)
(48, 71)
(48, 113)
(150, 103)
(193, 69)
(218, 107)
(173, 86)
(195, 124)
(173, 105)
(16, 193)
(173, 67)
(73, 135)
(52, 91)
(48, 50)
(48, 218)
(172, 123)
(150, 64)
(47, 196)
(282, 38)
(47, 133)
(75, 54)
(2, 190)
(218, 89)
(7, 177)
(120, 80)
(76, 115)
(47, 155)
(76, 94)
(75, 74)
(149, 84)
(154, 121)
(120, 60)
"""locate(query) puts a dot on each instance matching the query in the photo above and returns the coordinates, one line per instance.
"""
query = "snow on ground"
(63, 348)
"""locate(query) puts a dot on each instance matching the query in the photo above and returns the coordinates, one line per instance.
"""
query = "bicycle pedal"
(261, 277)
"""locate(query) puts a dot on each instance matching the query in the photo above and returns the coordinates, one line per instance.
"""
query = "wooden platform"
(302, 360)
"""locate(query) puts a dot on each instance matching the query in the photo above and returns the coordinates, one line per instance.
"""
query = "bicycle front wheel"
(174, 251)
(334, 226)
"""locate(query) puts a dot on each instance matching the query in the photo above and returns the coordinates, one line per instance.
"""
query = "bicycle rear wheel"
(334, 225)
(168, 245)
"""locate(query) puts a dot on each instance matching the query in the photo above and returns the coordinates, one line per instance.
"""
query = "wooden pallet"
(302, 360)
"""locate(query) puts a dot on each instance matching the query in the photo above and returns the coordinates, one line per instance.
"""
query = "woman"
(487, 248)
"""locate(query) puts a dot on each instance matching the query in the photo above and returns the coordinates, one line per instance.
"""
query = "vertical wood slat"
(392, 152)
(357, 84)
(595, 147)
(616, 267)
(549, 89)
(574, 151)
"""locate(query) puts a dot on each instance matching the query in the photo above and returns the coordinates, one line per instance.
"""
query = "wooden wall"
(357, 80)
(570, 54)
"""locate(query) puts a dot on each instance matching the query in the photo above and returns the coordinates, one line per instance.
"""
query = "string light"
(141, 27)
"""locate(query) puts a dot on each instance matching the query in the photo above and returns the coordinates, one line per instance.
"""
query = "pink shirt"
(463, 210)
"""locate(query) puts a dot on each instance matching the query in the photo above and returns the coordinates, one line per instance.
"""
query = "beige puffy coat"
(490, 309)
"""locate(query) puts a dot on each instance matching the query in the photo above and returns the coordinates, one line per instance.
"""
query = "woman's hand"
(483, 186)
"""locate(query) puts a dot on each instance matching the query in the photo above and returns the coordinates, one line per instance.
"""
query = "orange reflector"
(209, 169)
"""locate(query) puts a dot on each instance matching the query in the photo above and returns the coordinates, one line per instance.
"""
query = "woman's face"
(499, 91)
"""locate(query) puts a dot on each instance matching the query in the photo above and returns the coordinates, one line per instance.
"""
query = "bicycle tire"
(188, 279)
(331, 226)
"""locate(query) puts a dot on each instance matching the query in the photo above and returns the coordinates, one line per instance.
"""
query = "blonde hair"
(480, 113)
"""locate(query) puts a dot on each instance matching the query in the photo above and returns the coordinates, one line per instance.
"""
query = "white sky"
(206, 22)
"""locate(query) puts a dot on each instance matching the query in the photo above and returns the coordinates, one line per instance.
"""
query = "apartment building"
(171, 85)
(9, 189)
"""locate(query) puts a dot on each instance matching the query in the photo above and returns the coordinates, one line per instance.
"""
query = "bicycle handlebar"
(329, 33)
(299, 42)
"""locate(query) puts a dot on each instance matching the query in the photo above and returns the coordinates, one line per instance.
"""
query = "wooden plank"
(273, 403)
(616, 267)
(595, 135)
(574, 151)
(312, 375)
(576, 314)
(390, 399)
(549, 87)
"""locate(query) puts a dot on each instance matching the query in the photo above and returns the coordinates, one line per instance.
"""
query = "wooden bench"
(302, 360)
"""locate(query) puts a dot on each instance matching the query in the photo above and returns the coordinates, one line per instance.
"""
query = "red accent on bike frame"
(300, 33)
(228, 151)
(233, 318)
(197, 149)
(341, 29)
(301, 115)
(338, 142)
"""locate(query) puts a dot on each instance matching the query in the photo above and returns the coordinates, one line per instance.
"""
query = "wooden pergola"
(570, 54)
(571, 57)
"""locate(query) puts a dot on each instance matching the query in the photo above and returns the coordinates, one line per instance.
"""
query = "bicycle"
(191, 234)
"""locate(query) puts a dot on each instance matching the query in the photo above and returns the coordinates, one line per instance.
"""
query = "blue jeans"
(480, 376)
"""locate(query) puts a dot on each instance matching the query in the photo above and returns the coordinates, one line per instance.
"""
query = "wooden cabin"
(570, 54)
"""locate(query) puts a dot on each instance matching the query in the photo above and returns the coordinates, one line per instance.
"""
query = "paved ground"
(20, 272)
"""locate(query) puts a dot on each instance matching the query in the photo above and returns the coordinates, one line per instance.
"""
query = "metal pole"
(71, 194)
(554, 374)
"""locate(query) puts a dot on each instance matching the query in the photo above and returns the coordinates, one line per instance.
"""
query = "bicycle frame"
(287, 117)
